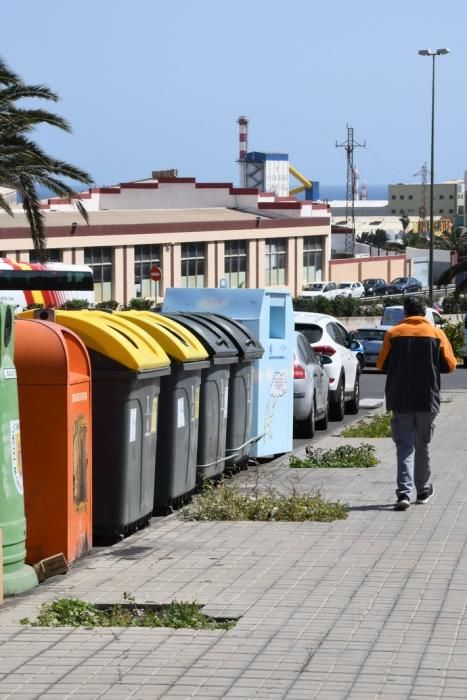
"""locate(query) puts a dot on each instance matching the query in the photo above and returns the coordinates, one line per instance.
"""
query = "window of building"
(441, 196)
(402, 196)
(410, 196)
(451, 211)
(441, 211)
(393, 211)
(235, 260)
(146, 257)
(53, 255)
(393, 196)
(192, 264)
(100, 260)
(275, 262)
(312, 259)
(451, 196)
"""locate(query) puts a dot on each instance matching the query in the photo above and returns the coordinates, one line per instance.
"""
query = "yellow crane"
(306, 183)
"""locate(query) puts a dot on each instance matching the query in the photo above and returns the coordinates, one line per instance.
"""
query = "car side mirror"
(354, 345)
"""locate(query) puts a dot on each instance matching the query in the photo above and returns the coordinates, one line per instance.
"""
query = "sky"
(158, 84)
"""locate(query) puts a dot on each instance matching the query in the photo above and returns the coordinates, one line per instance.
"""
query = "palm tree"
(24, 166)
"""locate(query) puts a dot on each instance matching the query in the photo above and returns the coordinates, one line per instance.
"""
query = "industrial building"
(199, 234)
(410, 200)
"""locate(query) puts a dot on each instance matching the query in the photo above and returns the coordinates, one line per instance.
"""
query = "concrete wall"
(357, 269)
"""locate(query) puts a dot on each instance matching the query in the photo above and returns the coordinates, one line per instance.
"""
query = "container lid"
(47, 353)
(247, 344)
(114, 338)
(217, 342)
(177, 341)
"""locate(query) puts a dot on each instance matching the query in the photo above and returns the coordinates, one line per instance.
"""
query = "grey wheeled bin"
(127, 367)
(214, 396)
(176, 455)
(242, 378)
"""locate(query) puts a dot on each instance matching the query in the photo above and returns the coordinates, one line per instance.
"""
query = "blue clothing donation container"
(268, 314)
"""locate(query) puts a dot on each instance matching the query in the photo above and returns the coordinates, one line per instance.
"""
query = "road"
(372, 387)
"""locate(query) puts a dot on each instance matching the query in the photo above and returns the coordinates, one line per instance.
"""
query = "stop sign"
(155, 273)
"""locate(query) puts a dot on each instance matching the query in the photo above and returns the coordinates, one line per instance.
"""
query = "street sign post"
(155, 273)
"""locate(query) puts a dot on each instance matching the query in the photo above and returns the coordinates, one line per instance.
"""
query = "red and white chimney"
(242, 138)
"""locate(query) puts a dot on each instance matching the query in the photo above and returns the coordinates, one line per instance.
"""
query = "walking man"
(413, 355)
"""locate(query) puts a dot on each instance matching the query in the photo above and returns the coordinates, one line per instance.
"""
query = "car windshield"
(312, 332)
(369, 334)
(399, 280)
(369, 281)
(343, 285)
(315, 287)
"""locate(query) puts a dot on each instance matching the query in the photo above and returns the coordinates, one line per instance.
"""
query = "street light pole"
(433, 54)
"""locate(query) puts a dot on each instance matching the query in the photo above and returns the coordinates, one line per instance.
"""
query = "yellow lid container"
(113, 337)
(178, 342)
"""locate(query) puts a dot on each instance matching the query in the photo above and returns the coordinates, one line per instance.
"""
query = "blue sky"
(155, 84)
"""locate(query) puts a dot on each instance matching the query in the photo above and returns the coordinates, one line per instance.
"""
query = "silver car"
(372, 340)
(310, 388)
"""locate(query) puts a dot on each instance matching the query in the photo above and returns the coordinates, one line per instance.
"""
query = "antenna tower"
(349, 146)
(422, 225)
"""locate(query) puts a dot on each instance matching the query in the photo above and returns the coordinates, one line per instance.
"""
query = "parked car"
(375, 287)
(372, 340)
(327, 336)
(316, 289)
(394, 314)
(310, 388)
(359, 351)
(404, 285)
(350, 289)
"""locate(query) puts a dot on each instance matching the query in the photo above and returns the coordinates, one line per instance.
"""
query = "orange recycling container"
(54, 388)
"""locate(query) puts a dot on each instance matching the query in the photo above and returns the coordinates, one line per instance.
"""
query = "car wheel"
(353, 405)
(322, 423)
(337, 408)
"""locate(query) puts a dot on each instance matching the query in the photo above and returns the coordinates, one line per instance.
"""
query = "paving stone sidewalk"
(369, 607)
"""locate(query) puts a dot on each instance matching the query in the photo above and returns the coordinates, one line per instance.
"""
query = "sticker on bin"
(180, 413)
(79, 396)
(195, 403)
(226, 399)
(132, 425)
(9, 373)
(154, 412)
(16, 464)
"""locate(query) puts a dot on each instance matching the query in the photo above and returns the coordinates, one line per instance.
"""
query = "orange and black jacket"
(414, 353)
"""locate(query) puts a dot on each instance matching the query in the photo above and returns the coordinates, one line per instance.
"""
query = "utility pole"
(423, 173)
(349, 146)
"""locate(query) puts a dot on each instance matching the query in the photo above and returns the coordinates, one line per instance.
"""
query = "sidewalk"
(369, 607)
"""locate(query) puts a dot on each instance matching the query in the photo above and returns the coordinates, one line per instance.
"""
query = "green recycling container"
(17, 576)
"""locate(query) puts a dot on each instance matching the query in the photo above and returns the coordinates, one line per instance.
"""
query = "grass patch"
(71, 612)
(343, 457)
(378, 426)
(226, 502)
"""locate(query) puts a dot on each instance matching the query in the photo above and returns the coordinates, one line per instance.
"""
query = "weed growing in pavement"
(342, 457)
(227, 502)
(71, 612)
(378, 426)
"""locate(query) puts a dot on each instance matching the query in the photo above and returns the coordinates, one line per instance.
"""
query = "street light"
(430, 52)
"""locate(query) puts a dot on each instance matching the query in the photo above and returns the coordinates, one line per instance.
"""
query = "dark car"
(375, 287)
(402, 285)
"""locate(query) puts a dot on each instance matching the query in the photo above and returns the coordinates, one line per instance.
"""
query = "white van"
(394, 314)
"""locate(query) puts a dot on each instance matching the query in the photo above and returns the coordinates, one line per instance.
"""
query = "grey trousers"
(412, 433)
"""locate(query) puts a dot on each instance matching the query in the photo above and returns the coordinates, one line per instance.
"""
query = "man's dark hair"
(414, 306)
